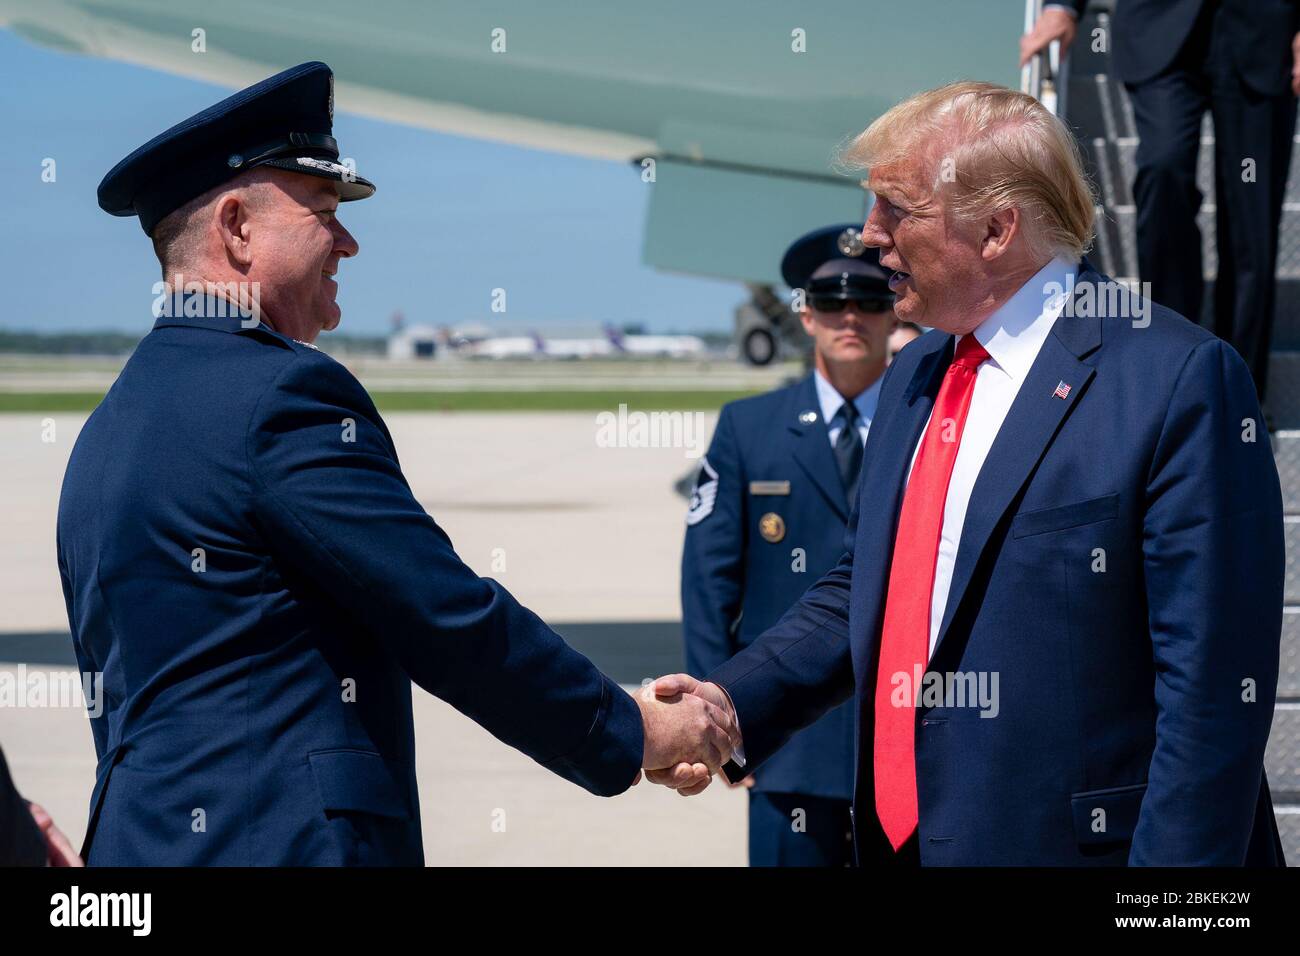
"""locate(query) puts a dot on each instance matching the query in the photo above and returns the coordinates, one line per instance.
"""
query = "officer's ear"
(230, 217)
(809, 324)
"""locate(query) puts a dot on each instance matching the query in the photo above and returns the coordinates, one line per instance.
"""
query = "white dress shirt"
(1012, 336)
(831, 401)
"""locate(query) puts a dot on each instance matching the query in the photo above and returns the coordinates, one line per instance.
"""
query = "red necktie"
(905, 637)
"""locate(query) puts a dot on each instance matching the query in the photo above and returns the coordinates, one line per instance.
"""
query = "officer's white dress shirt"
(831, 401)
(1012, 336)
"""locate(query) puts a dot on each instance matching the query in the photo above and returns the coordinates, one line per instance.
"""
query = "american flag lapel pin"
(1062, 390)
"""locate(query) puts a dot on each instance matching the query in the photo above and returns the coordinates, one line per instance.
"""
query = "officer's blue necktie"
(848, 450)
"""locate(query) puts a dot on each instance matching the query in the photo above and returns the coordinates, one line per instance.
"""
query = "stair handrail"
(1040, 76)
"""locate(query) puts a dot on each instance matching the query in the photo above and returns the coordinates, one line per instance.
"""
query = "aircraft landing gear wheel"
(759, 347)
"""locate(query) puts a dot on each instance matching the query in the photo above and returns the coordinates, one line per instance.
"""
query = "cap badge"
(850, 243)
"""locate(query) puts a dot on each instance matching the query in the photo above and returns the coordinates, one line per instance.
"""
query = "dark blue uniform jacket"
(245, 563)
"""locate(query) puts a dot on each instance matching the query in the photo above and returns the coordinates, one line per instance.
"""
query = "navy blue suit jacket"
(736, 584)
(259, 692)
(1120, 569)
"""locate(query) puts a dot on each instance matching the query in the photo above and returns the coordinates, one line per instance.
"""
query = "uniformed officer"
(244, 561)
(767, 519)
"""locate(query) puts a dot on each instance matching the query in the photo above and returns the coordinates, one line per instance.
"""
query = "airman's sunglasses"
(826, 303)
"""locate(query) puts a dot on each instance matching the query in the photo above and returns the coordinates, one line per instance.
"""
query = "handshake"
(690, 732)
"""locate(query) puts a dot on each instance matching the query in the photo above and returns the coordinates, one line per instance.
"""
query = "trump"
(1077, 498)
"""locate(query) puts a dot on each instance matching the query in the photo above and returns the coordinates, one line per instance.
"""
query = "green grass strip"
(469, 401)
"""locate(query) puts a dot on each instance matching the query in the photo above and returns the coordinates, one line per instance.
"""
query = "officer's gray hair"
(990, 148)
(178, 236)
(174, 236)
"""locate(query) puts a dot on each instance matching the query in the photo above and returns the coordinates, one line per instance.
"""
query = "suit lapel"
(812, 448)
(918, 402)
(1031, 423)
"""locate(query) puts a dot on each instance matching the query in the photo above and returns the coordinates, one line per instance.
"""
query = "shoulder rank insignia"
(704, 494)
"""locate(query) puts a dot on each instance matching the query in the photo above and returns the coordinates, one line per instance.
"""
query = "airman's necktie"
(848, 450)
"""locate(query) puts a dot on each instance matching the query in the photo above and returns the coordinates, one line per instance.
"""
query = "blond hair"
(991, 148)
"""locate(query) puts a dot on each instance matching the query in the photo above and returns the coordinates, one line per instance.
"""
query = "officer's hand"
(683, 729)
(1053, 24)
(58, 849)
(689, 778)
(686, 778)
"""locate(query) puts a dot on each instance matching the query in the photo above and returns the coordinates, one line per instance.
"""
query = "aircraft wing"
(740, 104)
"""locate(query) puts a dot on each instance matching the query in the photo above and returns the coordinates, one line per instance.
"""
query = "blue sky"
(453, 218)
